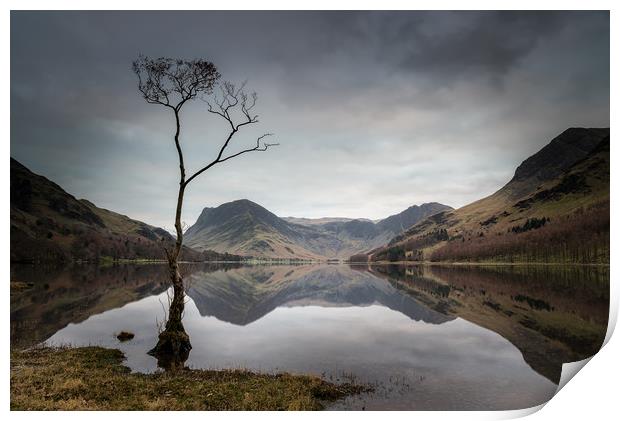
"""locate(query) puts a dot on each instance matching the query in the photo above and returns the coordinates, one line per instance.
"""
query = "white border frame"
(591, 394)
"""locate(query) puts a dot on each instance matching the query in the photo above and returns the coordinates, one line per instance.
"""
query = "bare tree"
(172, 83)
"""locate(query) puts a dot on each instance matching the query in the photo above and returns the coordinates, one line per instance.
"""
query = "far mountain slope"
(411, 216)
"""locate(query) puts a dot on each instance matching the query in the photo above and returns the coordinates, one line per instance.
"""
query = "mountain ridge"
(246, 228)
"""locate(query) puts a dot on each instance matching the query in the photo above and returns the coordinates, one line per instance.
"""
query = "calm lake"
(427, 338)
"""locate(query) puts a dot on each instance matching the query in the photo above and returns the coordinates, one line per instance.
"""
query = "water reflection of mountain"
(57, 296)
(54, 296)
(553, 315)
(244, 295)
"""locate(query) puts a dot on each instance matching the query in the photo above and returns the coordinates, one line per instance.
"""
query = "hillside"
(554, 209)
(410, 216)
(246, 228)
(50, 225)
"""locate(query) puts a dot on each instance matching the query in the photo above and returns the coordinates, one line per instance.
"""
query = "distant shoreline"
(251, 262)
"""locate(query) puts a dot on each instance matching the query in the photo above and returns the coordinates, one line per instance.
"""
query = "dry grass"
(18, 286)
(92, 378)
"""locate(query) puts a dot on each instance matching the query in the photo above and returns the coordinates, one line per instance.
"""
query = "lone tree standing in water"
(172, 83)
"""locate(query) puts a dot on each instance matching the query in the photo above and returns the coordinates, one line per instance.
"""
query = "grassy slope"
(93, 378)
(468, 218)
(49, 225)
(584, 186)
(122, 224)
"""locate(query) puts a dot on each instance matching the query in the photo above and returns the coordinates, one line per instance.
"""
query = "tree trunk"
(173, 346)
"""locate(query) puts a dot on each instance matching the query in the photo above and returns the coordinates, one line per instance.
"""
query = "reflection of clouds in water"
(461, 364)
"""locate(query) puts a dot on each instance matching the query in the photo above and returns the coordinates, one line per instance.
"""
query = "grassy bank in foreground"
(93, 378)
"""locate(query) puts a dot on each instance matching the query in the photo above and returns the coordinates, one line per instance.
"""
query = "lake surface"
(427, 338)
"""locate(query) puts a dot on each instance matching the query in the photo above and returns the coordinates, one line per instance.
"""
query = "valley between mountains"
(555, 209)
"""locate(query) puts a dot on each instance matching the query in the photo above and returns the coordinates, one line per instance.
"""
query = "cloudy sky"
(374, 112)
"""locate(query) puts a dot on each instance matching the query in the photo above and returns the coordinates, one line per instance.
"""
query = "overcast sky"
(374, 112)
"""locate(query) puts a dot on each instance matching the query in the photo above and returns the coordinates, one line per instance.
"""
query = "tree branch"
(219, 159)
(172, 83)
(257, 148)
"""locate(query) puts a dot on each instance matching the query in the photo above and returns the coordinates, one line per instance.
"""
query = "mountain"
(246, 228)
(48, 224)
(570, 147)
(554, 209)
(410, 216)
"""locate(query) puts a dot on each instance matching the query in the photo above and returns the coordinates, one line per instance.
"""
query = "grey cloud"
(488, 43)
(375, 110)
